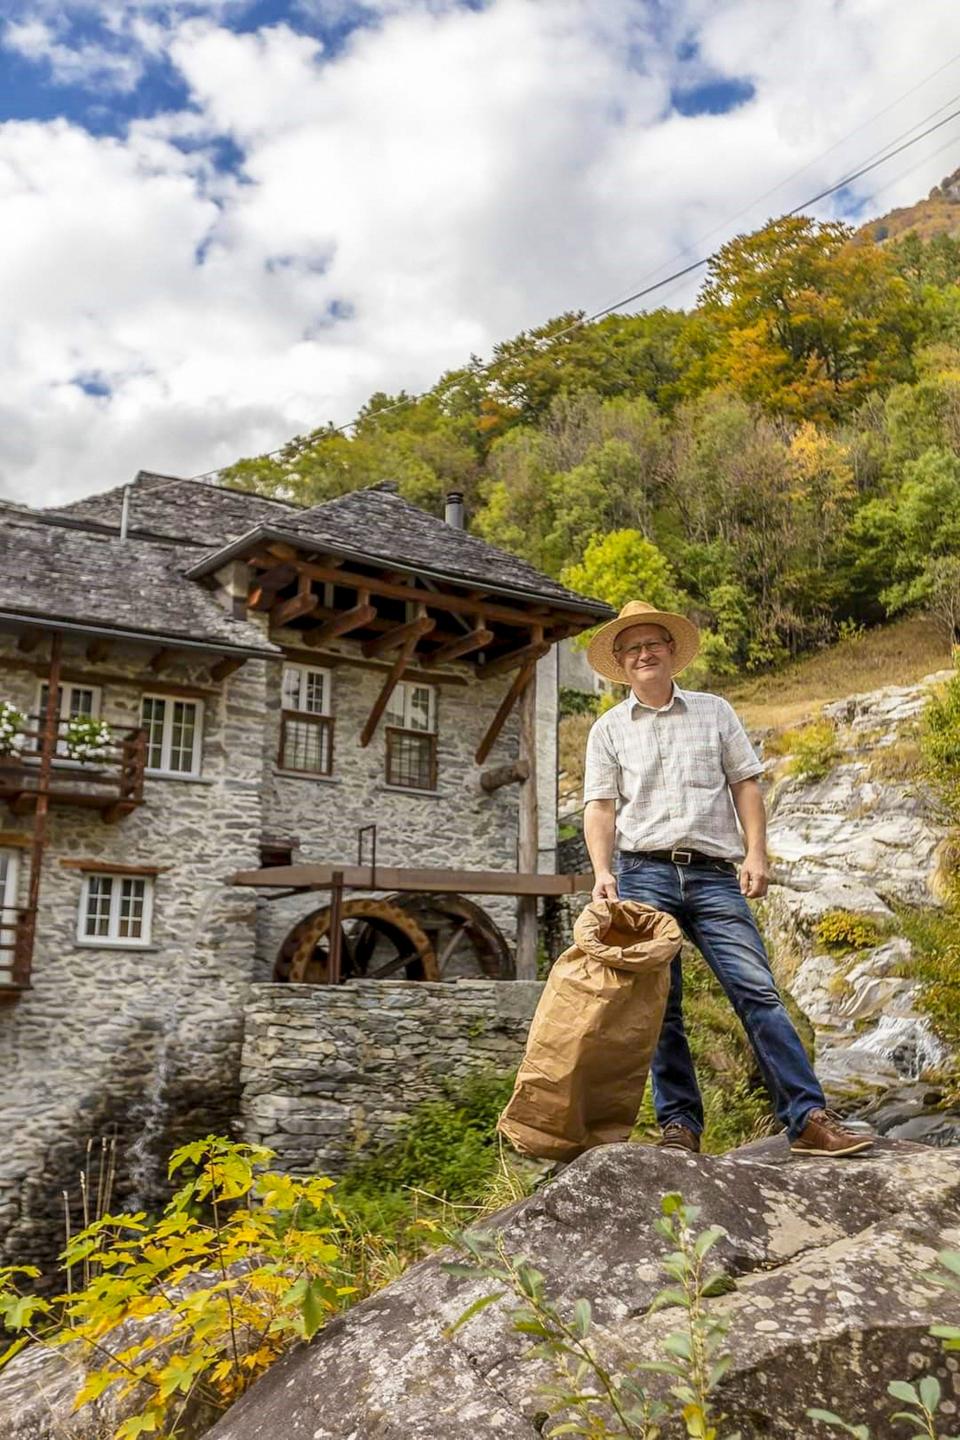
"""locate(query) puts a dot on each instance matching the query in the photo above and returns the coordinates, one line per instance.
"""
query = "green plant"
(86, 738)
(13, 723)
(935, 962)
(940, 746)
(840, 930)
(605, 1403)
(923, 1398)
(241, 1263)
(813, 750)
(576, 702)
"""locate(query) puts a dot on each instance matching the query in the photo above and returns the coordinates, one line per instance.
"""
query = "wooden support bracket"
(477, 639)
(506, 705)
(226, 666)
(354, 619)
(534, 651)
(399, 635)
(305, 600)
(98, 650)
(501, 775)
(389, 685)
(265, 585)
(28, 640)
(161, 659)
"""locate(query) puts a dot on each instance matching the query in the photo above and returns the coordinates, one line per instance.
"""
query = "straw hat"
(684, 633)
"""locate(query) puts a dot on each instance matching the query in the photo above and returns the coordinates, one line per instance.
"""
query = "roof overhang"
(13, 619)
(260, 534)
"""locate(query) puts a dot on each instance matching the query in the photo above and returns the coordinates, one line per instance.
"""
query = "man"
(669, 774)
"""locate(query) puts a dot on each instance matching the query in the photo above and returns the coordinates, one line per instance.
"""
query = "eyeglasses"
(654, 646)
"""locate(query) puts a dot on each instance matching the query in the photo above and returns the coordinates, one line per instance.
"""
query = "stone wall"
(328, 1072)
(143, 1043)
(459, 826)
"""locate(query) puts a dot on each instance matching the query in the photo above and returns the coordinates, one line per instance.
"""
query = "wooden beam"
(160, 659)
(111, 867)
(399, 635)
(277, 550)
(354, 619)
(534, 651)
(433, 599)
(477, 639)
(97, 651)
(28, 640)
(389, 685)
(528, 837)
(416, 673)
(506, 705)
(305, 600)
(502, 775)
(226, 666)
(265, 586)
(440, 882)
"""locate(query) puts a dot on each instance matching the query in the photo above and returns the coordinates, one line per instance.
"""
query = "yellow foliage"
(241, 1263)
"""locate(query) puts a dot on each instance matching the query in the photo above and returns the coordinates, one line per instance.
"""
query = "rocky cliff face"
(849, 850)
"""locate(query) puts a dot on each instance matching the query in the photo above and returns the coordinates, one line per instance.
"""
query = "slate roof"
(374, 523)
(132, 586)
(190, 511)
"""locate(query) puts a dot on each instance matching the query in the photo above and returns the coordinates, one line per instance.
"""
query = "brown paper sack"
(594, 1033)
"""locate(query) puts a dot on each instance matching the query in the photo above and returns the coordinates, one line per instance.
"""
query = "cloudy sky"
(228, 221)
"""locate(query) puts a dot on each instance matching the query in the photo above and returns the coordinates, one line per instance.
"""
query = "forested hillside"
(781, 462)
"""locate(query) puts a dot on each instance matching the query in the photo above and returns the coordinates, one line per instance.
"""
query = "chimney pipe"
(454, 512)
(125, 513)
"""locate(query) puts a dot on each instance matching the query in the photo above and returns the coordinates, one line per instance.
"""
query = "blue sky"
(226, 222)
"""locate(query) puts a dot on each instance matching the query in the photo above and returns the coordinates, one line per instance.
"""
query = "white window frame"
(166, 738)
(67, 689)
(304, 671)
(401, 720)
(113, 940)
(9, 893)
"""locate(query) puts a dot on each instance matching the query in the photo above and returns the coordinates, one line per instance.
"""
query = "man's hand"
(755, 875)
(604, 886)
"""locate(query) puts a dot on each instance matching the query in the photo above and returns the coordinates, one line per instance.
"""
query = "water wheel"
(379, 941)
(466, 942)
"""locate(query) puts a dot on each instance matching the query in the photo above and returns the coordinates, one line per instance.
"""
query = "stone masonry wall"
(330, 1072)
(143, 1043)
(459, 826)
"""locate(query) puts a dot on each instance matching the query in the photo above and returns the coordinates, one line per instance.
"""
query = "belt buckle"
(680, 856)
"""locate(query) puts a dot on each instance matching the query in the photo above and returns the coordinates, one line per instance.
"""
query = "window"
(174, 734)
(306, 729)
(411, 737)
(8, 911)
(116, 909)
(72, 700)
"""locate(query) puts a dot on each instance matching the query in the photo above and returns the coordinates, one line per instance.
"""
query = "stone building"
(208, 684)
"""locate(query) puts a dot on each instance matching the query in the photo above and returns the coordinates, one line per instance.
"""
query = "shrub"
(840, 930)
(935, 942)
(86, 738)
(576, 702)
(940, 746)
(813, 750)
(13, 722)
(239, 1265)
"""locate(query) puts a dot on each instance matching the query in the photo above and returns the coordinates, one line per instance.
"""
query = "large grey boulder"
(833, 1299)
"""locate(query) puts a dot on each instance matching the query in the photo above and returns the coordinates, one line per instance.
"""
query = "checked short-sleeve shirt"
(670, 772)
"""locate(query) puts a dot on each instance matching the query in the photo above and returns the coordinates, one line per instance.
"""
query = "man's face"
(645, 652)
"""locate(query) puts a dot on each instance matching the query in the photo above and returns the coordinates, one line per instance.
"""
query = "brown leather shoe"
(679, 1137)
(826, 1134)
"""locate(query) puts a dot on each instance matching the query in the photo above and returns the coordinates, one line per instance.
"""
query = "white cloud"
(450, 176)
(86, 63)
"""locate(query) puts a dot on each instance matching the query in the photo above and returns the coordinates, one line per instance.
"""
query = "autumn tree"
(802, 320)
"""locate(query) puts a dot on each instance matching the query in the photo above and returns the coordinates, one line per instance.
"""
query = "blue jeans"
(713, 913)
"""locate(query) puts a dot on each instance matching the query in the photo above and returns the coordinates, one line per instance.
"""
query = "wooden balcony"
(111, 784)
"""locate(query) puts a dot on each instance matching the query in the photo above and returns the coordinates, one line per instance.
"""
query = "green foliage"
(787, 453)
(925, 1397)
(841, 930)
(934, 937)
(446, 1154)
(813, 750)
(610, 1404)
(239, 1265)
(577, 702)
(940, 746)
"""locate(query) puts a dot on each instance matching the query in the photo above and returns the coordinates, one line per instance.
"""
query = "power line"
(656, 285)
